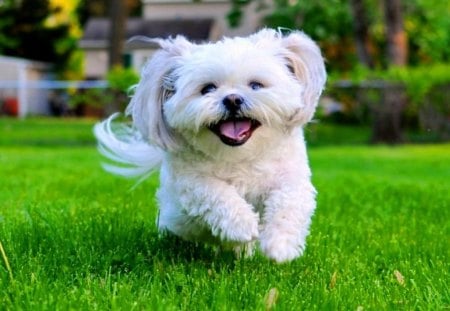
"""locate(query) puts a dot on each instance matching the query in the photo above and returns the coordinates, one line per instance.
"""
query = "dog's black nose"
(232, 102)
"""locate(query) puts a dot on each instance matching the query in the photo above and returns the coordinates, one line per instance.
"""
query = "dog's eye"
(255, 85)
(208, 88)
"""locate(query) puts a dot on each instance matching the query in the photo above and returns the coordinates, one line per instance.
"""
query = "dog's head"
(226, 91)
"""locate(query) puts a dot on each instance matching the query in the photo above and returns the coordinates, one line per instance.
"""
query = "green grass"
(77, 238)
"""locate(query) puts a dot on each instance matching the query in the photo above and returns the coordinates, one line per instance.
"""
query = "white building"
(200, 21)
(19, 91)
(216, 10)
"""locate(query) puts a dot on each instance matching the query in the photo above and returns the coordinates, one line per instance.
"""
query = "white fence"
(33, 97)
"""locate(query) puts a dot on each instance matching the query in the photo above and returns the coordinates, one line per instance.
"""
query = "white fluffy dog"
(223, 123)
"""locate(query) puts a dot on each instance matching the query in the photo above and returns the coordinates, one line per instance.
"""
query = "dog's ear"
(305, 61)
(156, 86)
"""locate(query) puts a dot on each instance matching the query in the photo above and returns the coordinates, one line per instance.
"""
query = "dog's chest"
(252, 181)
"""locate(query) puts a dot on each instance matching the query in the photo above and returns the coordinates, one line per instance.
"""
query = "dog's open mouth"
(235, 131)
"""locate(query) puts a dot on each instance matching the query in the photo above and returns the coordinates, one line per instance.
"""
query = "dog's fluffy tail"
(125, 147)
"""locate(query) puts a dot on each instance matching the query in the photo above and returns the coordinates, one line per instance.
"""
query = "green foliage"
(418, 81)
(94, 97)
(6, 42)
(24, 33)
(427, 23)
(122, 79)
(23, 24)
(77, 238)
(323, 20)
(73, 69)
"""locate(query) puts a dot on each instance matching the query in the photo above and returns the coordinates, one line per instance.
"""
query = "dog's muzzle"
(234, 130)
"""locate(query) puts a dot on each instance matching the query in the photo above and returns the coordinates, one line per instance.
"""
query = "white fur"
(256, 192)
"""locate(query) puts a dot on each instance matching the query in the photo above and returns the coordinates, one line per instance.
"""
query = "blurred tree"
(117, 11)
(118, 16)
(101, 8)
(397, 44)
(361, 26)
(387, 114)
(329, 22)
(372, 33)
(65, 13)
(367, 32)
(41, 30)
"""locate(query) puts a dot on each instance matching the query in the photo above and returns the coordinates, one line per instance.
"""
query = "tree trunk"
(361, 32)
(388, 113)
(397, 44)
(118, 16)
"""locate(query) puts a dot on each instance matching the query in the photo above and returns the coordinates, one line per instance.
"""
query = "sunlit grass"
(78, 238)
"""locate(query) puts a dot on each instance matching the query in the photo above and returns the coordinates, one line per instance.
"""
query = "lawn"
(75, 237)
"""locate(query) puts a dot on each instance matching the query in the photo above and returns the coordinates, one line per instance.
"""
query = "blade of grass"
(5, 260)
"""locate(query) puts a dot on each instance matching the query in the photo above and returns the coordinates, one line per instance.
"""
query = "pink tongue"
(235, 129)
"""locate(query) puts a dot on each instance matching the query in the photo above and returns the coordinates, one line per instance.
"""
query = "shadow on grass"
(169, 250)
(37, 241)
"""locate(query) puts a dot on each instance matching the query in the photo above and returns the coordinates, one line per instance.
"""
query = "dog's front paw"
(281, 247)
(243, 227)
